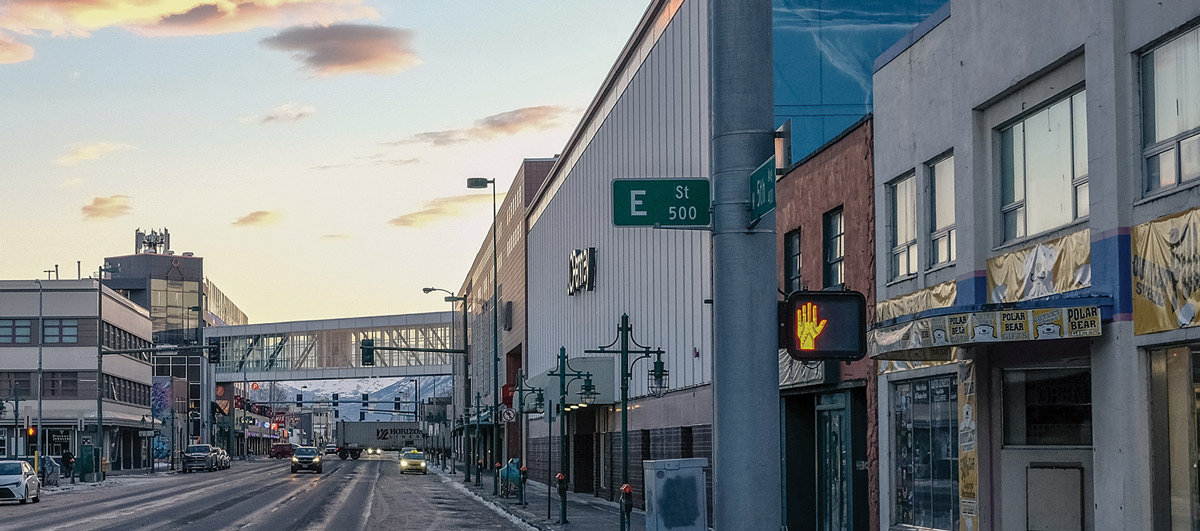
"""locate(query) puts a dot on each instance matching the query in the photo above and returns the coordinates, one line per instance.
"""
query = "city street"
(368, 494)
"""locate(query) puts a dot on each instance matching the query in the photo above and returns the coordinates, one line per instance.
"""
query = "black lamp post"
(587, 395)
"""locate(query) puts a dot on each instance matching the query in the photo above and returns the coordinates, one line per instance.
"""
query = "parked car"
(18, 481)
(283, 450)
(199, 457)
(414, 461)
(307, 458)
(223, 459)
(330, 449)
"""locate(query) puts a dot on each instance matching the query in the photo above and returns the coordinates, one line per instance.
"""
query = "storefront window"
(1177, 389)
(1050, 407)
(925, 417)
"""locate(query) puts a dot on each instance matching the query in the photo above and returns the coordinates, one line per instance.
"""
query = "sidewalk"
(584, 511)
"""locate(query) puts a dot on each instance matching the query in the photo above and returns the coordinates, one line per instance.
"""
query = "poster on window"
(968, 452)
(1050, 267)
(1166, 273)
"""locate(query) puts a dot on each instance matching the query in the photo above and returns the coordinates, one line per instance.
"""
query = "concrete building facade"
(1033, 186)
(67, 335)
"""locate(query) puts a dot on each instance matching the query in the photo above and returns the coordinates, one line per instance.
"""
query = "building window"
(22, 382)
(791, 264)
(1171, 111)
(1048, 407)
(925, 420)
(60, 331)
(1175, 388)
(1046, 155)
(835, 248)
(903, 193)
(61, 384)
(943, 247)
(15, 331)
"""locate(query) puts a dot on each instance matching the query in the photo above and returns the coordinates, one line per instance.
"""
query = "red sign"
(254, 386)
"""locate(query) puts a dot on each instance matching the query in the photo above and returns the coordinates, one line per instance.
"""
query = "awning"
(931, 338)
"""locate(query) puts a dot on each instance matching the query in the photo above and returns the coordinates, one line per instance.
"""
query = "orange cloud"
(12, 51)
(443, 207)
(92, 151)
(160, 18)
(257, 219)
(106, 207)
(504, 124)
(348, 48)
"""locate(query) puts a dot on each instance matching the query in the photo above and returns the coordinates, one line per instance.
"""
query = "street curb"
(495, 507)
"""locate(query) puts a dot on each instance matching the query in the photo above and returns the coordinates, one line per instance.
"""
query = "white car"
(18, 481)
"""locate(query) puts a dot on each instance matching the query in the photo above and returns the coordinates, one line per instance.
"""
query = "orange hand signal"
(807, 327)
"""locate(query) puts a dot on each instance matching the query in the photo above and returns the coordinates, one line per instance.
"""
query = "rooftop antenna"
(47, 272)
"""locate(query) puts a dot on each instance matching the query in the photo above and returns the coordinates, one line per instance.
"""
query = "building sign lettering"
(581, 272)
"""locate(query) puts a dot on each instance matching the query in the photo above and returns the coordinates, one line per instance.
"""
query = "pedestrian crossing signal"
(824, 325)
(368, 352)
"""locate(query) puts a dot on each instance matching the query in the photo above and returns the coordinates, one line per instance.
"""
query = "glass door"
(834, 463)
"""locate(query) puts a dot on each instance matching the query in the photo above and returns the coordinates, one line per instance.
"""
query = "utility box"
(676, 497)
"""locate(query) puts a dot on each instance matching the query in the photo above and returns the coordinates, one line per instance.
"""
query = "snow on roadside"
(114, 481)
(523, 525)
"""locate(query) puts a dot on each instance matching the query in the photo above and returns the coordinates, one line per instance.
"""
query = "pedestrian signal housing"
(368, 352)
(824, 325)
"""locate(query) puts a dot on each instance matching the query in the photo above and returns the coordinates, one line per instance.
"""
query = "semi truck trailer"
(355, 438)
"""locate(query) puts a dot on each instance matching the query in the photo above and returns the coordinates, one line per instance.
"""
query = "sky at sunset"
(314, 152)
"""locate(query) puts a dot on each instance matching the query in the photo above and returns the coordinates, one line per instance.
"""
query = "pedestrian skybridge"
(329, 348)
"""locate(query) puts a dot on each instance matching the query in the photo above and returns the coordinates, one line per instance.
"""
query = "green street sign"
(762, 190)
(661, 202)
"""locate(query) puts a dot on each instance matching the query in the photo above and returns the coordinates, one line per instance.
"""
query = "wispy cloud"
(348, 48)
(113, 206)
(92, 151)
(165, 18)
(334, 237)
(442, 208)
(504, 124)
(12, 51)
(257, 219)
(287, 112)
(379, 159)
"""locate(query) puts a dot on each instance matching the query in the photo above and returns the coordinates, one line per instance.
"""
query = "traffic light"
(362, 415)
(368, 352)
(214, 349)
(335, 400)
(336, 414)
(364, 399)
(32, 432)
(824, 325)
(299, 399)
(396, 407)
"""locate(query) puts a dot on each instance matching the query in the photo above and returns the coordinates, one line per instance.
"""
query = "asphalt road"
(367, 494)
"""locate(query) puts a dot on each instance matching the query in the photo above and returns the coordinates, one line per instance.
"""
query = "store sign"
(932, 336)
(1166, 273)
(824, 325)
(581, 272)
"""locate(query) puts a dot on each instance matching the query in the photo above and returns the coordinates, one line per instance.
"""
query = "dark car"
(199, 457)
(280, 451)
(307, 458)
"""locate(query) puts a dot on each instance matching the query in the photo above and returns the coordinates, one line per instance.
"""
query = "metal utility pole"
(41, 447)
(745, 366)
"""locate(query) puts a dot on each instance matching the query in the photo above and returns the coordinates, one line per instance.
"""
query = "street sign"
(762, 190)
(146, 433)
(824, 325)
(661, 202)
(508, 414)
(254, 386)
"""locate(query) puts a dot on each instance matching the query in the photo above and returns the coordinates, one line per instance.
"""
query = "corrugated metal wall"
(658, 128)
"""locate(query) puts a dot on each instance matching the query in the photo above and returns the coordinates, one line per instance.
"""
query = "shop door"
(834, 463)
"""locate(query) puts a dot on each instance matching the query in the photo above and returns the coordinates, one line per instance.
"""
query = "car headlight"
(422, 464)
(295, 460)
(317, 459)
(403, 463)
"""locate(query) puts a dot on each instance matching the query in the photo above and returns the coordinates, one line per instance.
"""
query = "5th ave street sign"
(762, 190)
(661, 202)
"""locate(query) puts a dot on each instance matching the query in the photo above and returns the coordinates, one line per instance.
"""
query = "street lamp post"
(539, 405)
(478, 440)
(480, 182)
(587, 395)
(100, 384)
(657, 386)
(451, 298)
(41, 447)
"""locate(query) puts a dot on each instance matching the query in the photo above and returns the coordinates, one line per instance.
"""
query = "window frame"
(793, 266)
(948, 232)
(832, 263)
(908, 247)
(1078, 181)
(10, 332)
(1173, 143)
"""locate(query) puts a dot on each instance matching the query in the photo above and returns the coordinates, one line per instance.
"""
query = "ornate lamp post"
(451, 298)
(587, 395)
(657, 384)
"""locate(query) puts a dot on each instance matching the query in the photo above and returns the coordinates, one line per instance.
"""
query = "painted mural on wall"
(160, 408)
(1050, 267)
(1166, 273)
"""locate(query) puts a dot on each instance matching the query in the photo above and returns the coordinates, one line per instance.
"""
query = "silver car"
(18, 481)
